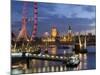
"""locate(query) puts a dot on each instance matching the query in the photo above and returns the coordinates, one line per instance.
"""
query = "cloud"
(89, 8)
(67, 10)
(93, 24)
(93, 31)
(59, 15)
(78, 24)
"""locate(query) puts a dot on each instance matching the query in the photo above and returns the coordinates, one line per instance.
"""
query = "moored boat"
(73, 61)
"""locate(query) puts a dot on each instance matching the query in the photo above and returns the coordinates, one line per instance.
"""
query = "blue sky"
(82, 18)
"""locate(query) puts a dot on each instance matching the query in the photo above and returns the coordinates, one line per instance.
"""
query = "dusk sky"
(82, 18)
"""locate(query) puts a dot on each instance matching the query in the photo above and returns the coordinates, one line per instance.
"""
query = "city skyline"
(52, 37)
(80, 17)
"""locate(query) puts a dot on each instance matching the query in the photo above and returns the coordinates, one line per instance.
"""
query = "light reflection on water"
(38, 66)
(53, 50)
(83, 63)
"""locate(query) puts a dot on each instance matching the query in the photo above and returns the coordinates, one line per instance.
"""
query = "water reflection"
(83, 62)
(46, 63)
(38, 66)
(53, 50)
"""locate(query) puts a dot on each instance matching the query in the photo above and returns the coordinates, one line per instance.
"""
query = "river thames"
(88, 61)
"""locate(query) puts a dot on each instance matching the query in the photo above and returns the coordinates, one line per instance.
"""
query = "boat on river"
(73, 61)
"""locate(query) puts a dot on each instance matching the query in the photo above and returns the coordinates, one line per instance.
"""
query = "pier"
(29, 56)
